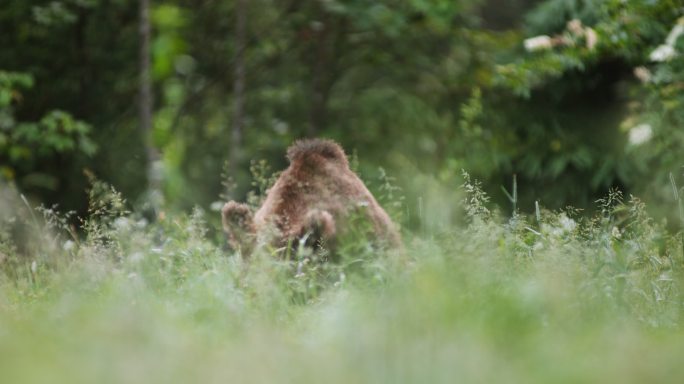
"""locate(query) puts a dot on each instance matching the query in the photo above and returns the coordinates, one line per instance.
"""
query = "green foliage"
(24, 145)
(574, 107)
(82, 55)
(169, 45)
(553, 15)
(428, 85)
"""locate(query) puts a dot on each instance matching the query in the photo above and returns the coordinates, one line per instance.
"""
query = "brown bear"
(314, 199)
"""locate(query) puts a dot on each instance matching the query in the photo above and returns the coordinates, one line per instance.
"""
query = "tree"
(238, 84)
(146, 104)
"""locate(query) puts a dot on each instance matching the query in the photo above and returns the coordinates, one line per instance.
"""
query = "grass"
(554, 298)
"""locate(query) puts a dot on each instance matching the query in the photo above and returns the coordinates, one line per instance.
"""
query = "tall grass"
(553, 298)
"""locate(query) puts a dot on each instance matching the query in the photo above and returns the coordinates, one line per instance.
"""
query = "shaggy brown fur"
(313, 197)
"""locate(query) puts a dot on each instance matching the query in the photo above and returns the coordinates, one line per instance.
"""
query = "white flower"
(538, 43)
(216, 206)
(564, 227)
(121, 223)
(616, 233)
(662, 53)
(591, 37)
(68, 245)
(575, 26)
(643, 74)
(674, 34)
(666, 51)
(640, 134)
(567, 223)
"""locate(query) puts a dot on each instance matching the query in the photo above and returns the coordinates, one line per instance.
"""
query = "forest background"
(173, 102)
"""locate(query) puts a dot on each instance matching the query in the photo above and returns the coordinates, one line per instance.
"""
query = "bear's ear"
(328, 149)
(236, 214)
(238, 224)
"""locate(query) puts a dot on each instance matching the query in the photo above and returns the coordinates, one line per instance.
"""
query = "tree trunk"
(146, 103)
(82, 62)
(238, 85)
(319, 77)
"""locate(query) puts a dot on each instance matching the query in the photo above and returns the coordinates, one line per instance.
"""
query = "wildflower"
(121, 223)
(591, 37)
(567, 223)
(643, 74)
(640, 134)
(565, 226)
(538, 43)
(68, 245)
(664, 52)
(616, 233)
(575, 27)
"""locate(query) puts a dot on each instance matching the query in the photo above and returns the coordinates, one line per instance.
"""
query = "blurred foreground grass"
(553, 298)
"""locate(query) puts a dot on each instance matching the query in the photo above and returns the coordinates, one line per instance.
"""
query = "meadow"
(550, 297)
(126, 125)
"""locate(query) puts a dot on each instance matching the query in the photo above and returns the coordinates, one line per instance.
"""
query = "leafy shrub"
(24, 146)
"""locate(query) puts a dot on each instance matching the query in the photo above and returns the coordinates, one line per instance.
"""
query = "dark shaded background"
(417, 87)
